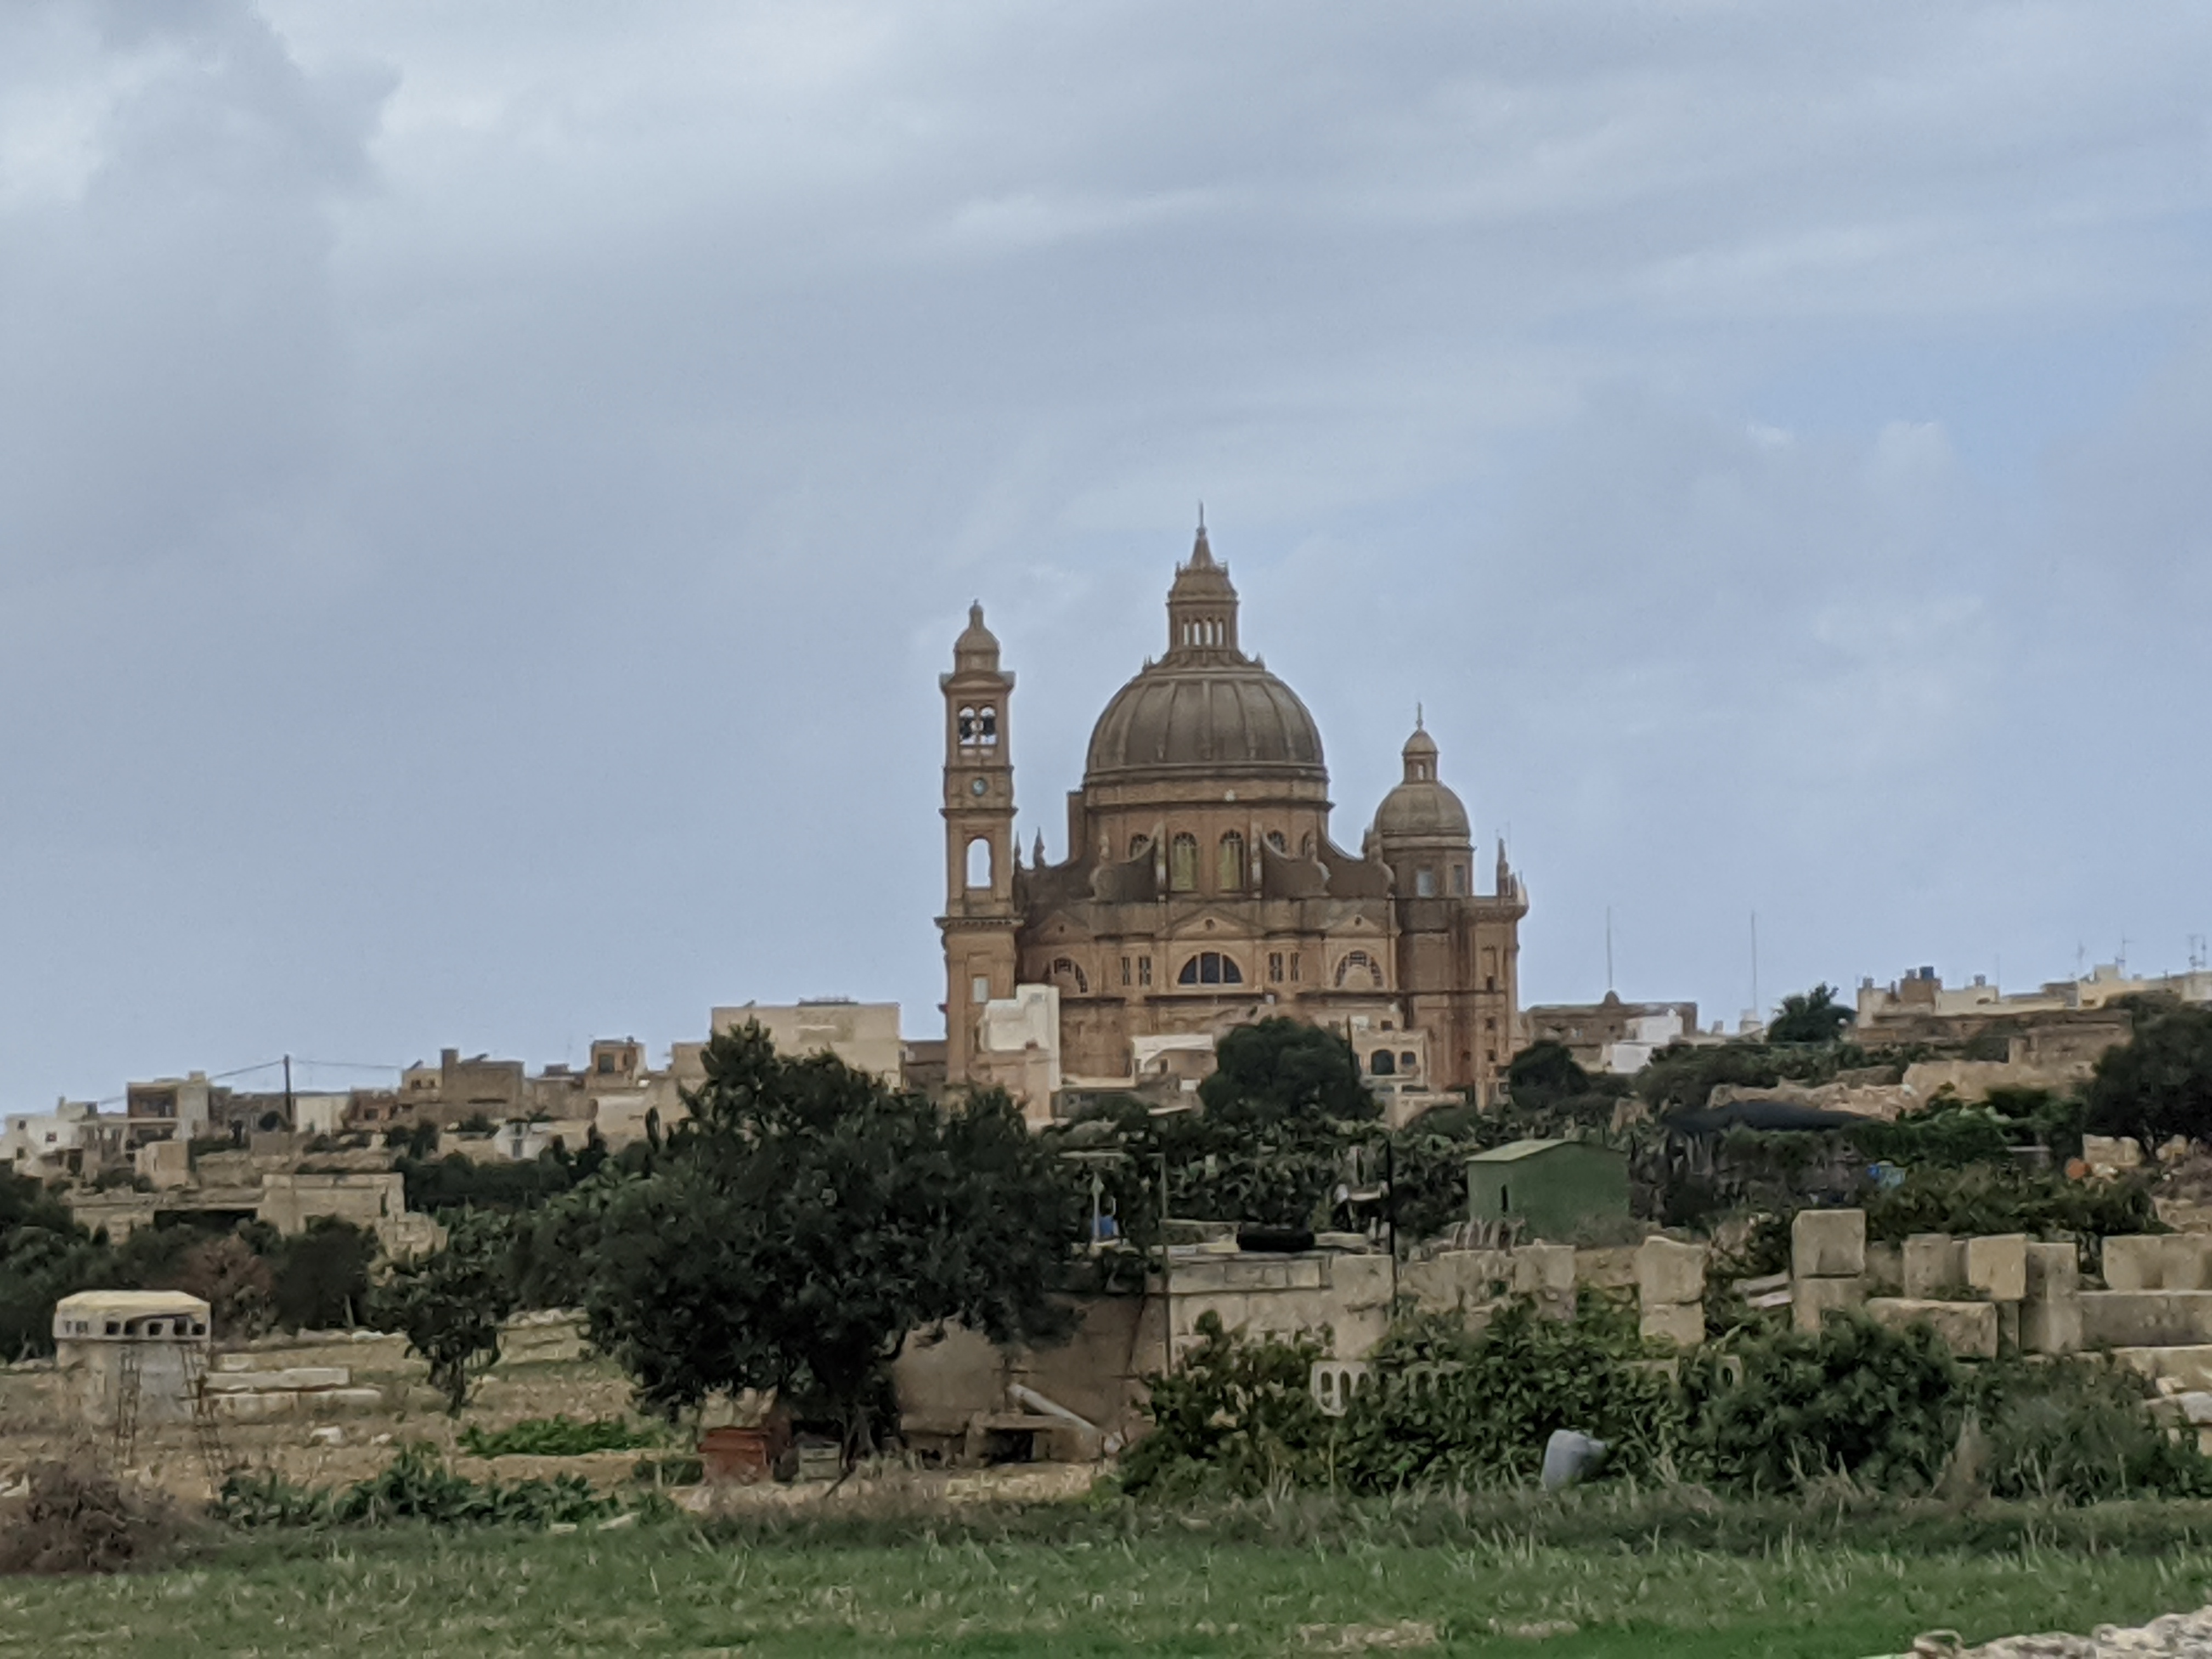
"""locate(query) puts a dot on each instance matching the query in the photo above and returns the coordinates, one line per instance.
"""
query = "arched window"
(1210, 968)
(965, 723)
(1183, 863)
(1139, 845)
(1229, 867)
(1275, 840)
(987, 723)
(1306, 848)
(1409, 1062)
(1424, 883)
(1459, 880)
(979, 862)
(1382, 1064)
(1357, 969)
(1069, 974)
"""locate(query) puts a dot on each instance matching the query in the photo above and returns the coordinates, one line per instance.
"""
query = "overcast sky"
(485, 492)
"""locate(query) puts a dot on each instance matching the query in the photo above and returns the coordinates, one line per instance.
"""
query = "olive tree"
(808, 1219)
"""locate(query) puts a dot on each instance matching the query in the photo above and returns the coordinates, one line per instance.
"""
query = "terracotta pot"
(740, 1455)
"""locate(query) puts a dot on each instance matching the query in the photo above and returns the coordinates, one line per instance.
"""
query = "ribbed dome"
(1424, 808)
(1228, 716)
(1421, 808)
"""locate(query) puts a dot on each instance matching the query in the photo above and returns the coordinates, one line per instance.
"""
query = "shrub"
(416, 1485)
(1880, 1406)
(2077, 1430)
(1237, 1414)
(449, 1304)
(1986, 1198)
(1476, 1409)
(73, 1517)
(321, 1275)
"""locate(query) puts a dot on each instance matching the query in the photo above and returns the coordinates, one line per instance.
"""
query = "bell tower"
(980, 918)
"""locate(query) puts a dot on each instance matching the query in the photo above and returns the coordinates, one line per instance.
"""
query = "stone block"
(1885, 1269)
(1539, 1268)
(2182, 1264)
(2053, 1270)
(253, 1408)
(2173, 1370)
(1682, 1323)
(1812, 1300)
(1828, 1243)
(344, 1400)
(2135, 1261)
(295, 1379)
(2145, 1319)
(1359, 1281)
(1969, 1329)
(1933, 1263)
(1607, 1267)
(2052, 1327)
(1997, 1266)
(2195, 1408)
(1670, 1273)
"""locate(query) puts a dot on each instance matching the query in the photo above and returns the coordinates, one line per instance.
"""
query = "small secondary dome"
(1421, 806)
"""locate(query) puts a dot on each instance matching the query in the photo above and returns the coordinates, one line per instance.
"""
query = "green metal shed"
(1552, 1187)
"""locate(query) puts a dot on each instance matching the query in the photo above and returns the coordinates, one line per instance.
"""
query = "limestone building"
(1202, 888)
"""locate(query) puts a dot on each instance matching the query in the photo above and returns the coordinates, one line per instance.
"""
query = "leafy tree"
(457, 1181)
(449, 1304)
(1281, 1068)
(320, 1276)
(2158, 1084)
(1544, 1073)
(416, 1140)
(224, 1271)
(808, 1219)
(1813, 1016)
(44, 1256)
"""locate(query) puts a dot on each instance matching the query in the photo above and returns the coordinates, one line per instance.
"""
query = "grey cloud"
(484, 493)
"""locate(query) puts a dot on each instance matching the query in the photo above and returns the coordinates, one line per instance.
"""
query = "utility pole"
(1757, 1009)
(291, 1116)
(1609, 948)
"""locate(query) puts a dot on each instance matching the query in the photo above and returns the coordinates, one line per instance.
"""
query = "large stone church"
(1202, 888)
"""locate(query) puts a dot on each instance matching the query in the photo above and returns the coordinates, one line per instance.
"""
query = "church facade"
(1202, 888)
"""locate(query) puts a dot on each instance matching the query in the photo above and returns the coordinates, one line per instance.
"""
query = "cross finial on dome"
(1420, 723)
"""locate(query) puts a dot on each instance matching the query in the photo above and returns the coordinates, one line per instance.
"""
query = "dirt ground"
(535, 1379)
(543, 1373)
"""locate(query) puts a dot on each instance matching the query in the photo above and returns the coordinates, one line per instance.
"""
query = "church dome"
(1206, 707)
(1421, 807)
(1219, 717)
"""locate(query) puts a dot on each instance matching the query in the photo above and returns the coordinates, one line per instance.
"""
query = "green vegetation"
(416, 1485)
(561, 1437)
(1999, 1198)
(449, 1304)
(44, 1256)
(806, 1220)
(253, 1279)
(1813, 1016)
(2159, 1083)
(1760, 1412)
(1594, 1575)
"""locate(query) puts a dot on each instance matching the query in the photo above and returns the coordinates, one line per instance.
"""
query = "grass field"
(1096, 1585)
